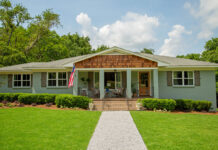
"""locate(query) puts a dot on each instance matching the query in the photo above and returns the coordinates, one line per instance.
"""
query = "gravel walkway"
(116, 131)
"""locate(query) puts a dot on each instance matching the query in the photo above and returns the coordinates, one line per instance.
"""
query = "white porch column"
(75, 83)
(101, 83)
(155, 82)
(128, 85)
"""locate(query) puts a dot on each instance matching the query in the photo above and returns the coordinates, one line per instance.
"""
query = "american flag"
(71, 77)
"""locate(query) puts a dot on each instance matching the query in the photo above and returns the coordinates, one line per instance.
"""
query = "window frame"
(183, 79)
(56, 79)
(21, 79)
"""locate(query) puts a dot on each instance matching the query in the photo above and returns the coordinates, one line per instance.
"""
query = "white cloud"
(173, 45)
(133, 31)
(83, 19)
(207, 13)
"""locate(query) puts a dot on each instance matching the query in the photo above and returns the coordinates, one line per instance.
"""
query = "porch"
(108, 84)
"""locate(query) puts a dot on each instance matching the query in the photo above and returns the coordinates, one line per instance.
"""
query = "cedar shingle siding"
(116, 61)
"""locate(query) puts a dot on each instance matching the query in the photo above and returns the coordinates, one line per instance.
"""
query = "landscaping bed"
(63, 101)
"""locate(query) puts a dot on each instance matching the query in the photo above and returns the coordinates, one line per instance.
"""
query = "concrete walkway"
(116, 131)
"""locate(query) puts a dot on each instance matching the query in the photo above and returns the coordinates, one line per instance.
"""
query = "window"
(57, 79)
(112, 80)
(22, 80)
(62, 79)
(183, 78)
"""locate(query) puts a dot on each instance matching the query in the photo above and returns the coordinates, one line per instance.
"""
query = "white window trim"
(183, 79)
(22, 87)
(57, 80)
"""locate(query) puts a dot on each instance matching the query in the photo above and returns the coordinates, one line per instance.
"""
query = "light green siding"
(38, 89)
(155, 82)
(4, 86)
(206, 90)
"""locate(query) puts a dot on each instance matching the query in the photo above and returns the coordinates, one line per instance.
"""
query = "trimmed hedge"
(70, 101)
(160, 104)
(11, 97)
(178, 104)
(184, 104)
(201, 105)
(37, 98)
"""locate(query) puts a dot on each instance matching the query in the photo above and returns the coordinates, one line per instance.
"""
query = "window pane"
(17, 83)
(177, 74)
(62, 75)
(188, 82)
(15, 77)
(52, 75)
(62, 82)
(51, 82)
(24, 77)
(177, 81)
(26, 83)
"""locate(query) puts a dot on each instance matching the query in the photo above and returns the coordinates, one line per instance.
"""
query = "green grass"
(37, 128)
(165, 131)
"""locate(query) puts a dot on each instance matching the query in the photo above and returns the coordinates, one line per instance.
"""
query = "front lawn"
(167, 131)
(37, 128)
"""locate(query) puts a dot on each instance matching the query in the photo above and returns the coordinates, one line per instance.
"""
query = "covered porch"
(129, 83)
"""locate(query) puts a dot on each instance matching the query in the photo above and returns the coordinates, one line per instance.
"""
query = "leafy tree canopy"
(148, 51)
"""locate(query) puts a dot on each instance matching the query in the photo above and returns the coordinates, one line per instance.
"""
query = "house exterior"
(115, 72)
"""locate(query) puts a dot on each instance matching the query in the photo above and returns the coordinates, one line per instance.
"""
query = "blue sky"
(168, 26)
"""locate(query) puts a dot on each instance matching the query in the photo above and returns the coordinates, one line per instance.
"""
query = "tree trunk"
(32, 44)
(9, 39)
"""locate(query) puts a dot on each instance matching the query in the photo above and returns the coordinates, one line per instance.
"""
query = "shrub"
(201, 105)
(1, 105)
(184, 104)
(36, 98)
(159, 104)
(11, 97)
(70, 101)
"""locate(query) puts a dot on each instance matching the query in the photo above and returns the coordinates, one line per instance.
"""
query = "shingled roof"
(60, 64)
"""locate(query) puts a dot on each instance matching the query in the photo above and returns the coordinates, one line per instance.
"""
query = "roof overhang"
(120, 50)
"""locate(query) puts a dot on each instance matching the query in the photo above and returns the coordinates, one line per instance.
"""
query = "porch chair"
(95, 92)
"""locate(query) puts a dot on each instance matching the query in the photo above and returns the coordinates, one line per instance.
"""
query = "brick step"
(114, 105)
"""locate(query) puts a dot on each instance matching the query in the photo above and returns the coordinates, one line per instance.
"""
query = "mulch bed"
(43, 106)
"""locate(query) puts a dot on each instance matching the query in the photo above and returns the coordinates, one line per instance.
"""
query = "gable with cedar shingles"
(116, 61)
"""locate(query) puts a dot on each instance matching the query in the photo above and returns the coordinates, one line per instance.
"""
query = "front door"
(144, 84)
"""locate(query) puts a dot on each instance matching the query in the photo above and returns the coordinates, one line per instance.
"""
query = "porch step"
(114, 105)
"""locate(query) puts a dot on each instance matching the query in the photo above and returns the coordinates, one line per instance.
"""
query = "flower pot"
(91, 105)
(138, 106)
